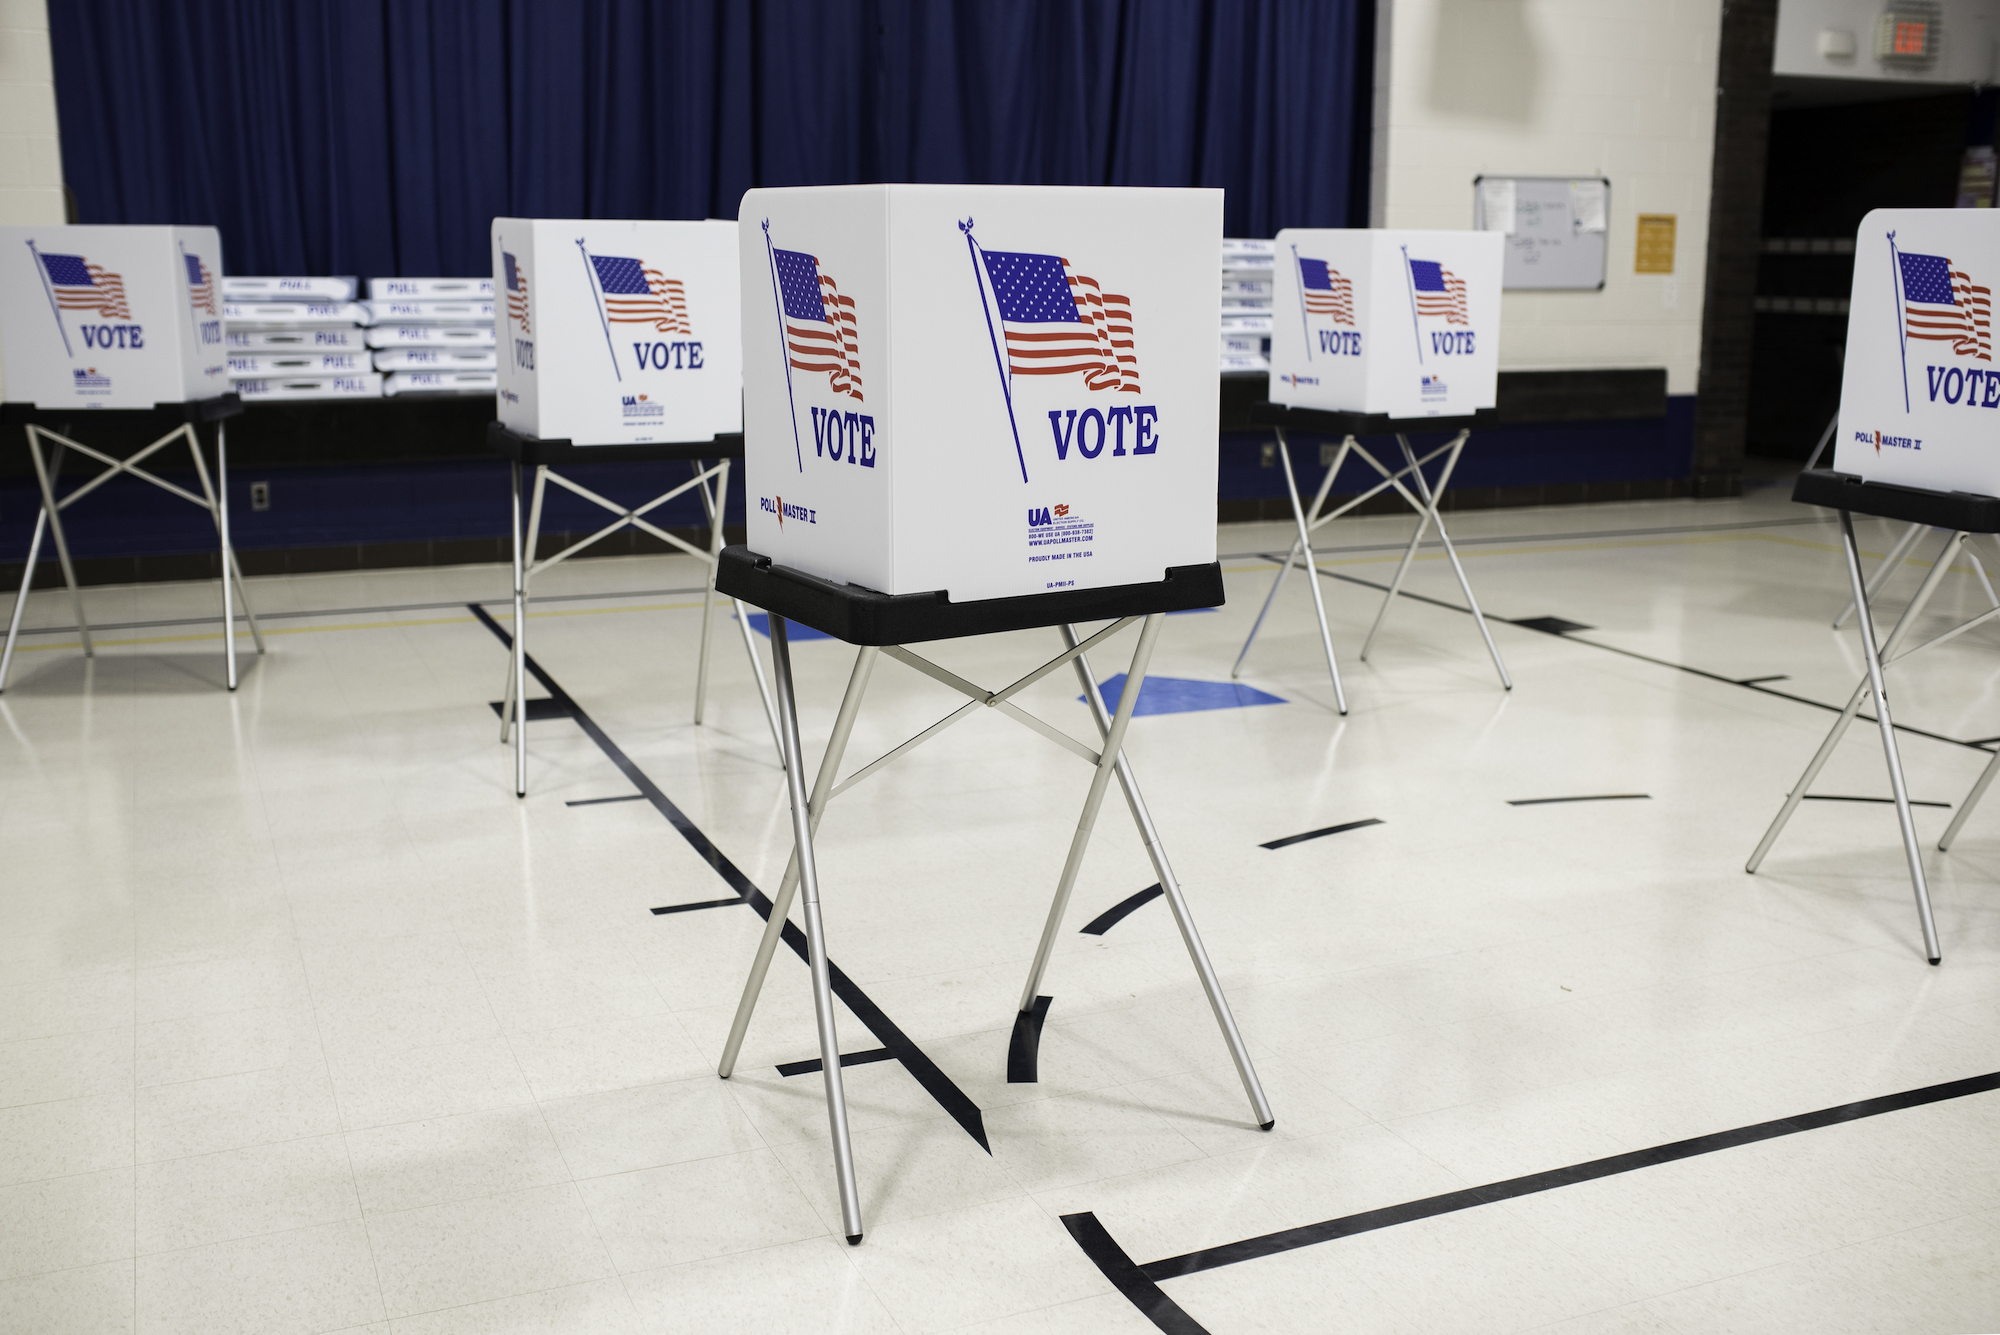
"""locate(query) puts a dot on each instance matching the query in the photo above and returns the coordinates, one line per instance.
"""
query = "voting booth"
(111, 320)
(618, 341)
(1381, 332)
(969, 410)
(1919, 406)
(1397, 323)
(111, 317)
(1057, 431)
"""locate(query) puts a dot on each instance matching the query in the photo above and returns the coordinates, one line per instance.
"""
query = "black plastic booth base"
(864, 617)
(1963, 511)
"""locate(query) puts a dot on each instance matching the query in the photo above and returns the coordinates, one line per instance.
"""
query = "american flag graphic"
(820, 329)
(1062, 323)
(1326, 292)
(517, 291)
(80, 285)
(201, 284)
(634, 294)
(1944, 304)
(1440, 292)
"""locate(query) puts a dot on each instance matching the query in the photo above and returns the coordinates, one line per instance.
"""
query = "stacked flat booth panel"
(112, 317)
(617, 333)
(983, 390)
(1400, 323)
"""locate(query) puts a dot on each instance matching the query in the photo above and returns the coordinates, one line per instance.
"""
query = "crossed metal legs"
(1425, 501)
(801, 872)
(512, 709)
(1872, 685)
(214, 498)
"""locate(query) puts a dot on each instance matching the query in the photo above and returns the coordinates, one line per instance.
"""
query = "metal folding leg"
(516, 702)
(1225, 1019)
(1312, 569)
(715, 506)
(774, 927)
(1107, 764)
(822, 985)
(527, 565)
(1890, 563)
(46, 477)
(1872, 683)
(1307, 522)
(214, 498)
(806, 815)
(1428, 516)
(217, 493)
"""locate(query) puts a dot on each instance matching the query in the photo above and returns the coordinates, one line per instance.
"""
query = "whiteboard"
(1557, 229)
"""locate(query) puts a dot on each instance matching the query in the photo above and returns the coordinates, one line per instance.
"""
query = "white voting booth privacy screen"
(617, 333)
(1920, 399)
(1379, 321)
(111, 317)
(985, 390)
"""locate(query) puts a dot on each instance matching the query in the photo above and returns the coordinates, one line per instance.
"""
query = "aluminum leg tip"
(854, 1239)
(1266, 1126)
(1935, 959)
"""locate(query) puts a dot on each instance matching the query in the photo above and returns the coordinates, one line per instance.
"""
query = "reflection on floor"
(306, 1024)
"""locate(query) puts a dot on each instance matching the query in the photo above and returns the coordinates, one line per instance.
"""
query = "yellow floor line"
(1391, 558)
(359, 625)
(1381, 559)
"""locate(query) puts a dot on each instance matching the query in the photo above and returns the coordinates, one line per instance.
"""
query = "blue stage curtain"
(380, 137)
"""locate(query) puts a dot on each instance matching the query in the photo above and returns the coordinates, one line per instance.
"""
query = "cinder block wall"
(1561, 88)
(30, 161)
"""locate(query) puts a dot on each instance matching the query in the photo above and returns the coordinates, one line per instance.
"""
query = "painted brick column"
(1735, 233)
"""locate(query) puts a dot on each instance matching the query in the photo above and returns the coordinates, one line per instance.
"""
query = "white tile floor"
(306, 1024)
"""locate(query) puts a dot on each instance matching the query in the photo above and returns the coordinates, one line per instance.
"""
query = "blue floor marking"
(794, 632)
(1183, 695)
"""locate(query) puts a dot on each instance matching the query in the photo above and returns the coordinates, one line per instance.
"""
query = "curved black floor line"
(1117, 913)
(1140, 1282)
(935, 1082)
(1024, 1049)
(1291, 839)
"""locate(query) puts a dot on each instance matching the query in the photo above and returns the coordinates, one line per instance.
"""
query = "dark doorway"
(1831, 160)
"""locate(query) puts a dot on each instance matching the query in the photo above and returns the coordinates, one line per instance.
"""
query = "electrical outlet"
(260, 495)
(1327, 449)
(1268, 457)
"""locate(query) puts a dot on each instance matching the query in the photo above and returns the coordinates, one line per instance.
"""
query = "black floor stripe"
(1551, 625)
(1271, 1244)
(1759, 681)
(1141, 1283)
(935, 1082)
(539, 711)
(665, 909)
(1749, 685)
(600, 801)
(296, 614)
(1291, 839)
(1835, 797)
(1601, 797)
(1127, 1278)
(1116, 914)
(812, 1065)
